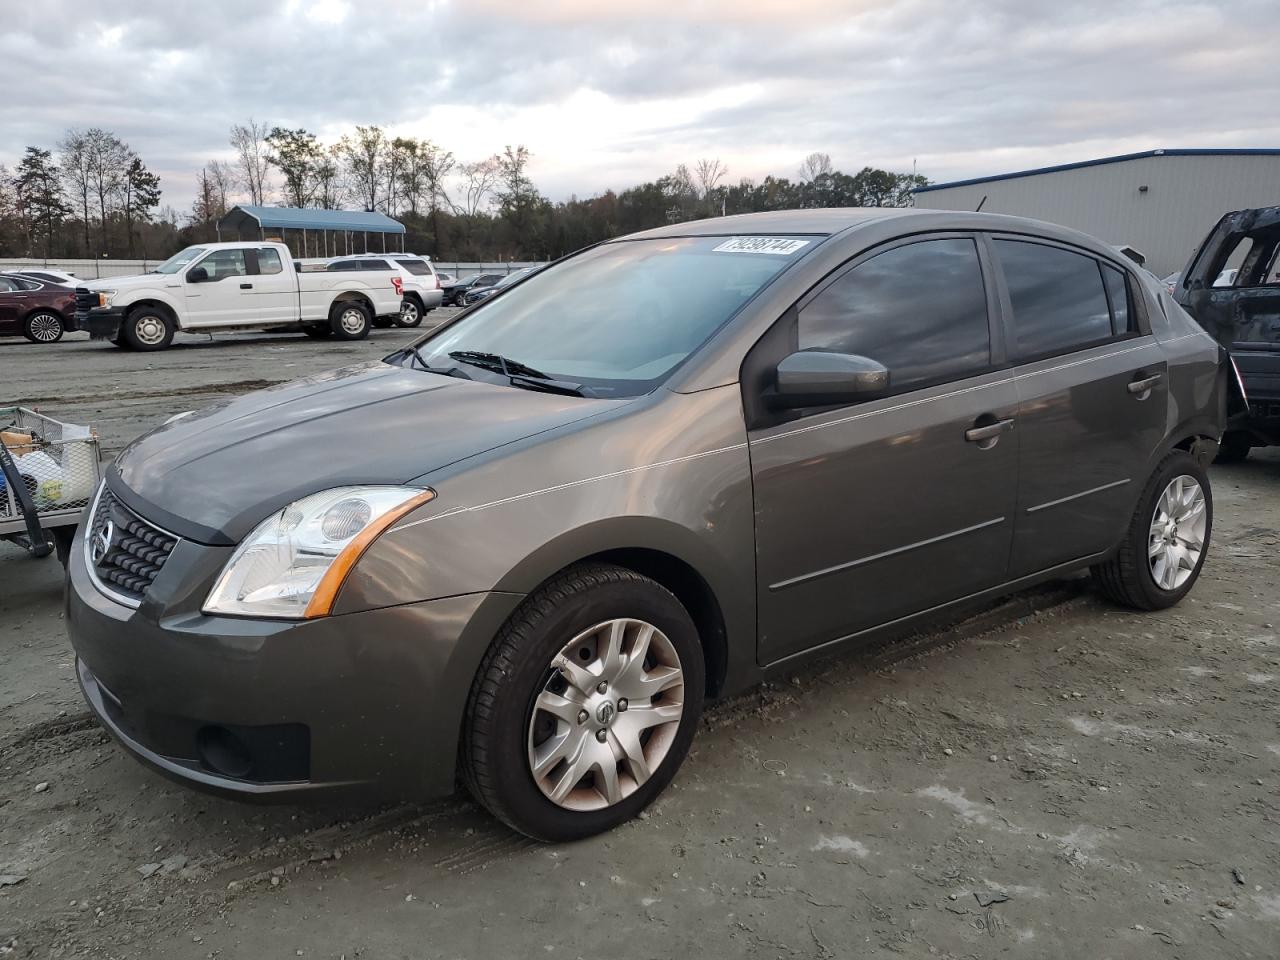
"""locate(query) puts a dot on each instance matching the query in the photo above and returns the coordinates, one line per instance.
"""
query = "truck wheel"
(410, 313)
(585, 704)
(350, 320)
(318, 331)
(147, 328)
(1167, 540)
(43, 326)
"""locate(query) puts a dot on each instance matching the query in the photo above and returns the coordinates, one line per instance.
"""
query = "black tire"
(43, 326)
(1127, 577)
(147, 328)
(343, 312)
(495, 758)
(411, 313)
(1234, 448)
(318, 331)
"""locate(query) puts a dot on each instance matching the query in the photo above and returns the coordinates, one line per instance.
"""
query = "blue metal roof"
(294, 218)
(1243, 152)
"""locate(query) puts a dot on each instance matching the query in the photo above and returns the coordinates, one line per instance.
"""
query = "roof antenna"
(981, 203)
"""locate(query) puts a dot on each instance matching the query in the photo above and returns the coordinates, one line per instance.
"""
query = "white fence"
(96, 269)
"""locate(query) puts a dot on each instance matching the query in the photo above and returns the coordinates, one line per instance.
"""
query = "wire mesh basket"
(57, 464)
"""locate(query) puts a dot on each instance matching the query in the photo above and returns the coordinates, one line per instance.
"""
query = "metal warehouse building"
(1162, 202)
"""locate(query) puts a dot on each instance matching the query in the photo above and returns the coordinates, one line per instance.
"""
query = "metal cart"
(49, 471)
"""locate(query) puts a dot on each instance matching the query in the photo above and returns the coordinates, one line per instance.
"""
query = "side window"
(1118, 293)
(374, 265)
(1059, 304)
(921, 310)
(269, 260)
(225, 263)
(7, 285)
(345, 265)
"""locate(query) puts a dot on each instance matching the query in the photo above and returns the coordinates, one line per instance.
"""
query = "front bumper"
(366, 704)
(101, 323)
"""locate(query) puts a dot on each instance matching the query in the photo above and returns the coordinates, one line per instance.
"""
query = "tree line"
(95, 197)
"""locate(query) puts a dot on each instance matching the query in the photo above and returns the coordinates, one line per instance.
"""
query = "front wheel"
(147, 328)
(585, 704)
(43, 326)
(350, 320)
(1167, 540)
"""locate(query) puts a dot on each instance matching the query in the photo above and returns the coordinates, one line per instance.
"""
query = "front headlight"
(105, 297)
(293, 564)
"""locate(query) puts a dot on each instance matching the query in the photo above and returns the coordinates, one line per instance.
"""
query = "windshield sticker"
(778, 246)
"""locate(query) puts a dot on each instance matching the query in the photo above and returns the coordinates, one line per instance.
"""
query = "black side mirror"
(197, 275)
(815, 378)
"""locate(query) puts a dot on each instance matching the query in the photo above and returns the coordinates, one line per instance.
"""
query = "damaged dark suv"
(1242, 315)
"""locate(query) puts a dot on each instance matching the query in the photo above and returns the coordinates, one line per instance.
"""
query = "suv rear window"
(1059, 303)
(419, 268)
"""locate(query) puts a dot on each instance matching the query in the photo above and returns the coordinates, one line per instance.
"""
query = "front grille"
(125, 552)
(86, 299)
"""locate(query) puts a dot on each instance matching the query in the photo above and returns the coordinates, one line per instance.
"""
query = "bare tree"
(74, 163)
(437, 164)
(331, 182)
(708, 174)
(253, 154)
(365, 156)
(478, 182)
(814, 165)
(222, 176)
(108, 161)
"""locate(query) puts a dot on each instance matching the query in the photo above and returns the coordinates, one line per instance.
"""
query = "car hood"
(130, 282)
(213, 475)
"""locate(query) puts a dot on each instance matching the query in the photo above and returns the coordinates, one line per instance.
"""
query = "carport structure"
(317, 233)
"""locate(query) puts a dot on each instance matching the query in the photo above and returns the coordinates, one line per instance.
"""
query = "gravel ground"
(1054, 778)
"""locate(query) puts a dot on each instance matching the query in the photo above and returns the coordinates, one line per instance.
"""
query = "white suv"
(419, 284)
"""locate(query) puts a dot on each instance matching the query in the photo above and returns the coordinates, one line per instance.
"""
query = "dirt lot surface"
(1057, 778)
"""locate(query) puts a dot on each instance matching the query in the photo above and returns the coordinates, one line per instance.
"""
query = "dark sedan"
(455, 293)
(475, 295)
(39, 311)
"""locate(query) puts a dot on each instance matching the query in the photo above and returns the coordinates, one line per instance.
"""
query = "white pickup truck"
(224, 286)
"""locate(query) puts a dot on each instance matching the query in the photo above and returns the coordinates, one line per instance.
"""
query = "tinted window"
(374, 265)
(419, 268)
(7, 285)
(1118, 291)
(345, 265)
(269, 260)
(225, 263)
(1057, 296)
(921, 310)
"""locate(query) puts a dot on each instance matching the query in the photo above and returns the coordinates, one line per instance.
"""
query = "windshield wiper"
(443, 371)
(520, 374)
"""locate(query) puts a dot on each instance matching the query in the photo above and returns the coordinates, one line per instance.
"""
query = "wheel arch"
(165, 308)
(347, 296)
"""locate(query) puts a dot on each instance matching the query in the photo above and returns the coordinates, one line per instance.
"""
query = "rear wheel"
(585, 705)
(1167, 541)
(147, 328)
(43, 326)
(411, 313)
(350, 320)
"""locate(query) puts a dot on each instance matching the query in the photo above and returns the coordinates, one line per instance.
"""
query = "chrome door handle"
(988, 431)
(1139, 387)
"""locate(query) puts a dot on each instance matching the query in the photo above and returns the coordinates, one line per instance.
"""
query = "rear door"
(11, 299)
(1092, 398)
(869, 513)
(271, 294)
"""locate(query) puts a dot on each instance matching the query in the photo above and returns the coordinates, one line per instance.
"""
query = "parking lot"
(1053, 777)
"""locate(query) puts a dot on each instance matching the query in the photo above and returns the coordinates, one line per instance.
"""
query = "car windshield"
(179, 260)
(619, 318)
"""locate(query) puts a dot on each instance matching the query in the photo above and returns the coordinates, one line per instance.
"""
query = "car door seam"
(850, 564)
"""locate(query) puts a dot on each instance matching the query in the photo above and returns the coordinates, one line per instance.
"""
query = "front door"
(1092, 400)
(869, 513)
(220, 297)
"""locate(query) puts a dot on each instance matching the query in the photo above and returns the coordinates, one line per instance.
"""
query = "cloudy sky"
(612, 92)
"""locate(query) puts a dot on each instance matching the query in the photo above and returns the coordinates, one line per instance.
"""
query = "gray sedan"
(528, 548)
